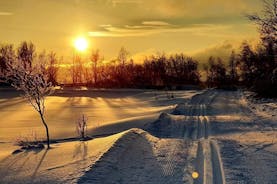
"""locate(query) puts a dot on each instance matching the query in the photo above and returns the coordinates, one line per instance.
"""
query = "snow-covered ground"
(104, 108)
(263, 107)
(221, 135)
(109, 111)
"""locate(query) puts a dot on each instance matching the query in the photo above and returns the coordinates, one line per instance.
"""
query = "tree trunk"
(46, 128)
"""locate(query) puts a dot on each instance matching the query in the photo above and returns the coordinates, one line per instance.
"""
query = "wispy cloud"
(118, 2)
(155, 23)
(2, 13)
(127, 1)
(154, 27)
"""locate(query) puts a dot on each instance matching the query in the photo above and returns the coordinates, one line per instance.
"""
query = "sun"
(81, 44)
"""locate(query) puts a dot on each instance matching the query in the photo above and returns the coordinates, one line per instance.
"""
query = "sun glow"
(81, 44)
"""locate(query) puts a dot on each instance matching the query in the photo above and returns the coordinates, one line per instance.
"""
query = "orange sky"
(142, 26)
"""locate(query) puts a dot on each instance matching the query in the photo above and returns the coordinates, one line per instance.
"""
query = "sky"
(142, 26)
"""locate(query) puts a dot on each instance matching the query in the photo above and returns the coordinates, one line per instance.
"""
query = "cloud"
(139, 57)
(196, 8)
(155, 23)
(5, 13)
(126, 1)
(120, 2)
(156, 27)
(222, 50)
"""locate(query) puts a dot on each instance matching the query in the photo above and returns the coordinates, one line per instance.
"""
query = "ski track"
(208, 162)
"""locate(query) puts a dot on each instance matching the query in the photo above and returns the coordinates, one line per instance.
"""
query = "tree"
(267, 23)
(121, 73)
(81, 126)
(77, 70)
(217, 73)
(182, 69)
(7, 55)
(95, 61)
(33, 82)
(26, 54)
(122, 56)
(52, 68)
(156, 70)
(233, 68)
(266, 60)
(247, 64)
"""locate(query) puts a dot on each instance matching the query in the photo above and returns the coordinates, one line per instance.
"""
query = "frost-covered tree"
(32, 80)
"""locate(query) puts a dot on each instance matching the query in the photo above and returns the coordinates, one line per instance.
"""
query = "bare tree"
(81, 126)
(265, 61)
(247, 64)
(122, 56)
(267, 22)
(26, 54)
(52, 68)
(34, 83)
(95, 61)
(233, 68)
(7, 54)
(77, 70)
(120, 72)
(217, 73)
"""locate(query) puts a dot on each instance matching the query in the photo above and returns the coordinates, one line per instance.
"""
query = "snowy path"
(222, 122)
(208, 160)
(225, 122)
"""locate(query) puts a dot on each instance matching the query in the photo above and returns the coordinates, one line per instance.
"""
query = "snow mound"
(266, 108)
(180, 109)
(64, 163)
(106, 169)
(169, 126)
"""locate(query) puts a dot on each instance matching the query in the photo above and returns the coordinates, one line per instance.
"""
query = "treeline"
(155, 72)
(255, 69)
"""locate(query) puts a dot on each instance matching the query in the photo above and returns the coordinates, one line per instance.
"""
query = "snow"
(146, 137)
(64, 162)
(265, 108)
(103, 108)
(250, 157)
(137, 153)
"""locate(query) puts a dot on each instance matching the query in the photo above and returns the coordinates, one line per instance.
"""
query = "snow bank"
(64, 163)
(263, 107)
(138, 157)
(171, 126)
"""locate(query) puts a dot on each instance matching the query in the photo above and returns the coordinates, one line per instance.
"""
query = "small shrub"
(81, 126)
(29, 141)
